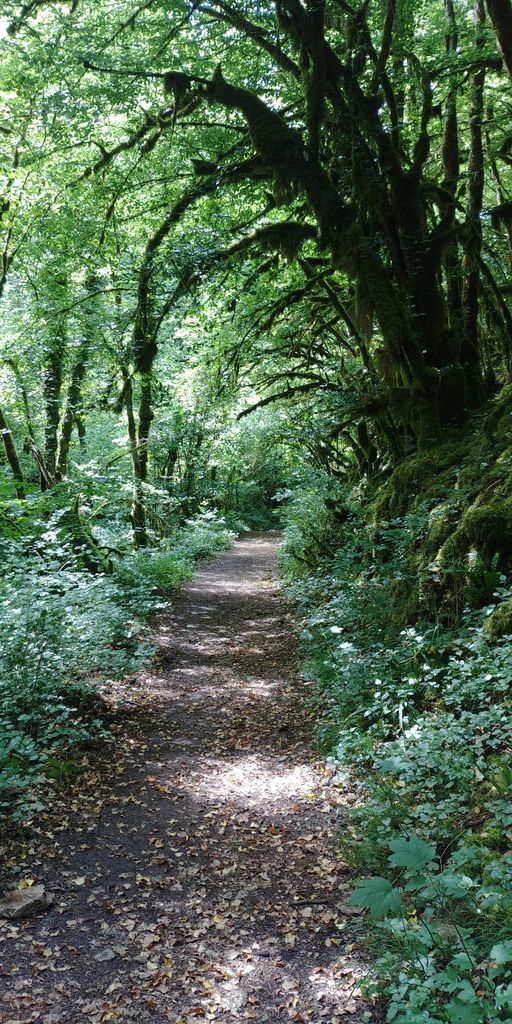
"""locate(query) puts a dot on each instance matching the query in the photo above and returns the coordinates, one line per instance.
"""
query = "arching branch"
(300, 389)
(222, 11)
(500, 13)
(286, 237)
(282, 149)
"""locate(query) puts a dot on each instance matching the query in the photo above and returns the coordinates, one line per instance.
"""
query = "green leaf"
(462, 962)
(455, 885)
(420, 883)
(502, 952)
(460, 1012)
(413, 853)
(377, 895)
(392, 764)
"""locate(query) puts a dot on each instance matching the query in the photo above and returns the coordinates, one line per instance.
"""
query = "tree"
(332, 173)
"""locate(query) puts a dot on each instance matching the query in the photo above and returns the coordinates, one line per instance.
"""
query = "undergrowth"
(419, 708)
(72, 615)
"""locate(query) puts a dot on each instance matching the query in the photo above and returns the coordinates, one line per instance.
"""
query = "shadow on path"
(194, 874)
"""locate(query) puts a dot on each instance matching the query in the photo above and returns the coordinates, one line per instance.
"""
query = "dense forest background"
(255, 272)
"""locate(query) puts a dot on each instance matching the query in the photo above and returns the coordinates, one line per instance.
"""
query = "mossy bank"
(405, 586)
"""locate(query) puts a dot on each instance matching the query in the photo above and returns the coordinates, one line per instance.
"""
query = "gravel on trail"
(193, 866)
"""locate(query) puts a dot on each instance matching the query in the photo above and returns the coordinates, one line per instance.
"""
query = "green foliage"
(377, 895)
(413, 853)
(156, 569)
(422, 713)
(204, 534)
(289, 237)
(61, 625)
(501, 953)
(165, 567)
(66, 626)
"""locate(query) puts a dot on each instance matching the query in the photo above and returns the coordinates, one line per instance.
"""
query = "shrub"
(65, 626)
(421, 712)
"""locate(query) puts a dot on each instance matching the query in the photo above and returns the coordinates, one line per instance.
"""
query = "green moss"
(489, 527)
(466, 477)
(405, 602)
(500, 622)
(465, 488)
(498, 421)
(452, 554)
(417, 477)
(440, 527)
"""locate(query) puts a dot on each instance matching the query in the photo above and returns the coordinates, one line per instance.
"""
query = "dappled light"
(205, 852)
(255, 511)
(256, 781)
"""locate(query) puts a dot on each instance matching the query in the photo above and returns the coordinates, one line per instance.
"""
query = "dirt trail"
(194, 874)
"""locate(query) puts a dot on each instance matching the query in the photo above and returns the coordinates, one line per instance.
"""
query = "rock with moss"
(489, 527)
(500, 622)
(423, 474)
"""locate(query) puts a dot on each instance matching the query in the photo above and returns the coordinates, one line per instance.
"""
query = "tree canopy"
(255, 271)
(307, 200)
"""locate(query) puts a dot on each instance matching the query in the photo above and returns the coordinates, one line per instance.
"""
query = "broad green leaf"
(462, 962)
(392, 764)
(420, 883)
(460, 1012)
(377, 895)
(455, 885)
(413, 853)
(502, 952)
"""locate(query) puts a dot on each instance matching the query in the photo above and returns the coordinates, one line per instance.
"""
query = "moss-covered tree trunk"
(451, 171)
(71, 412)
(138, 507)
(71, 416)
(12, 456)
(146, 416)
(52, 385)
(401, 273)
(470, 354)
(500, 13)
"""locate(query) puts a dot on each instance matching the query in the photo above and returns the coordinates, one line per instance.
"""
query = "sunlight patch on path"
(195, 876)
(255, 781)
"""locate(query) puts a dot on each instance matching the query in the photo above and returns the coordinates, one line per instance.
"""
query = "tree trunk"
(80, 426)
(46, 479)
(12, 456)
(146, 416)
(471, 291)
(451, 169)
(138, 509)
(70, 415)
(170, 463)
(13, 365)
(52, 384)
(500, 13)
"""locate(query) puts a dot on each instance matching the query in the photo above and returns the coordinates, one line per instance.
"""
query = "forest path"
(193, 872)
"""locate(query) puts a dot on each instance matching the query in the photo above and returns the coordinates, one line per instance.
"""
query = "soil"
(193, 866)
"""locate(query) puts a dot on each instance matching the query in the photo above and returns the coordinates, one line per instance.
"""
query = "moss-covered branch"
(12, 456)
(222, 11)
(282, 149)
(500, 13)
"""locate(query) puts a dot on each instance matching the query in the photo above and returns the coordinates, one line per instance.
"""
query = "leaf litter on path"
(192, 865)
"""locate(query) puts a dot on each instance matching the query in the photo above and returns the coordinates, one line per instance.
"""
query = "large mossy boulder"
(500, 622)
(420, 476)
(488, 528)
